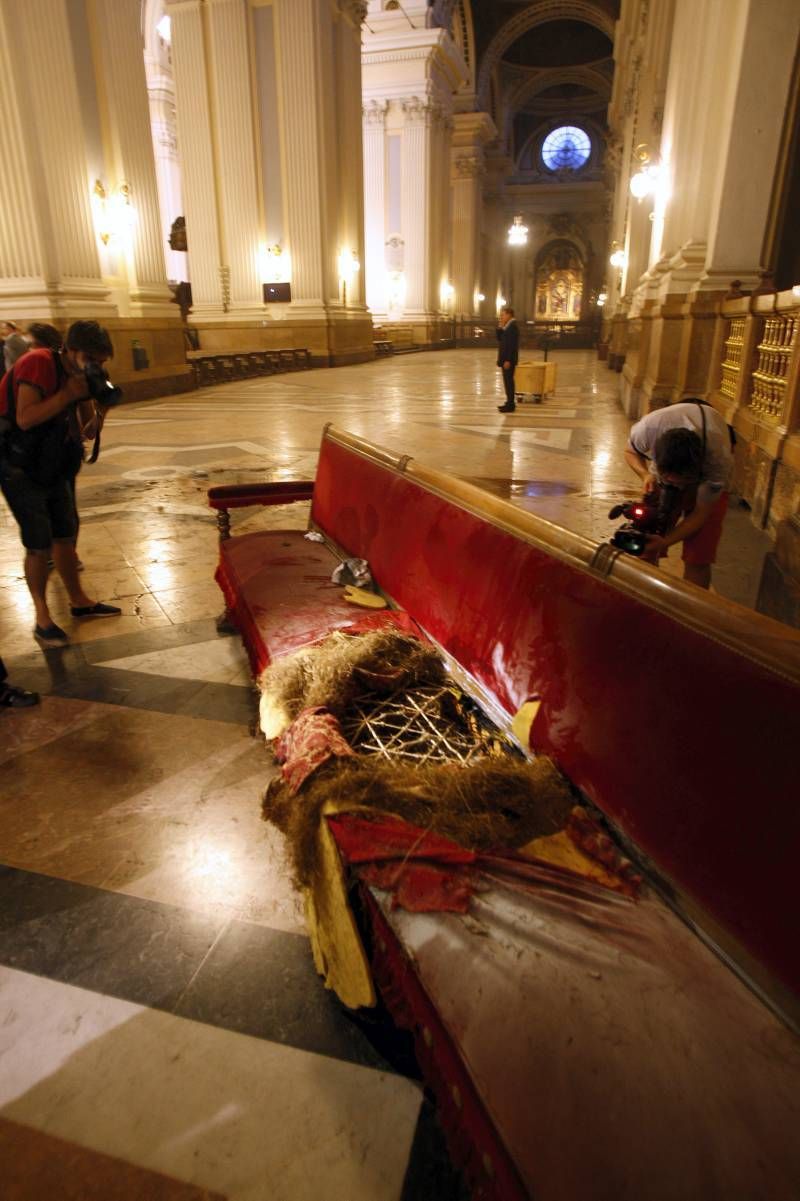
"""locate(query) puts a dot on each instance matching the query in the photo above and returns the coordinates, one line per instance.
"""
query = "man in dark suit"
(507, 355)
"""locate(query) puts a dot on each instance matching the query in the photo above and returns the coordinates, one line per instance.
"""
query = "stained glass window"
(567, 146)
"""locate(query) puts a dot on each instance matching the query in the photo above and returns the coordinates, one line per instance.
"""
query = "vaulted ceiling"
(543, 62)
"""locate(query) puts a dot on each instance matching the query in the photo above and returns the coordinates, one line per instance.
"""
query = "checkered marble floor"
(162, 1029)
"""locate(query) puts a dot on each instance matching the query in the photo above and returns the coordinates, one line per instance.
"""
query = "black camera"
(656, 513)
(101, 389)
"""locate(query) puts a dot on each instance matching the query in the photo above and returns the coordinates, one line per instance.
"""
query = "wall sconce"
(446, 293)
(618, 258)
(479, 296)
(602, 297)
(644, 182)
(114, 216)
(501, 301)
(517, 233)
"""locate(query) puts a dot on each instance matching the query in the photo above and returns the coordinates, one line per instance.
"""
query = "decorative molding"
(225, 286)
(356, 10)
(469, 166)
(374, 113)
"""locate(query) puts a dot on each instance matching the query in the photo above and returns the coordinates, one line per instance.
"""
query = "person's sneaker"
(96, 610)
(17, 698)
(51, 635)
(506, 408)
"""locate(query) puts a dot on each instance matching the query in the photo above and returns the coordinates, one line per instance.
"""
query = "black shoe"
(506, 408)
(51, 635)
(17, 698)
(96, 610)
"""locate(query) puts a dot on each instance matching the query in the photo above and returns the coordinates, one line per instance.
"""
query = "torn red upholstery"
(278, 593)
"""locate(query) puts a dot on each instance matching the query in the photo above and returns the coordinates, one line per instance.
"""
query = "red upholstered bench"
(674, 712)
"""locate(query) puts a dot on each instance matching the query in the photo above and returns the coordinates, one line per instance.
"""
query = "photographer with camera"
(53, 400)
(686, 446)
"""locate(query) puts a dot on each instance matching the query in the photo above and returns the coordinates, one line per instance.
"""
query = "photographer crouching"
(53, 400)
(686, 446)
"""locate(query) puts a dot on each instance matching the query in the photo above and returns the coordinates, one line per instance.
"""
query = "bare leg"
(66, 562)
(36, 573)
(698, 573)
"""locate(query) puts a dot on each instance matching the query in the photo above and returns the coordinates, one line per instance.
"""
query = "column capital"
(469, 166)
(355, 10)
(374, 112)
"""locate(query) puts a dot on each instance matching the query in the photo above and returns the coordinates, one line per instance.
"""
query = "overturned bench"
(675, 716)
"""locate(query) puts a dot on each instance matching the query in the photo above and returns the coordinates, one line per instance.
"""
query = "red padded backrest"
(685, 744)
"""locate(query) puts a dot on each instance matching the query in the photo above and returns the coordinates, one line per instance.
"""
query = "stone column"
(210, 284)
(351, 150)
(230, 93)
(163, 125)
(416, 206)
(374, 126)
(471, 131)
(467, 174)
(124, 89)
(49, 262)
(306, 102)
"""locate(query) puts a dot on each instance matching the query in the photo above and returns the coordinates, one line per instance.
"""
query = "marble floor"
(162, 1029)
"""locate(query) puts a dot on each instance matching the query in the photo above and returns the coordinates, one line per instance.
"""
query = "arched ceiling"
(544, 60)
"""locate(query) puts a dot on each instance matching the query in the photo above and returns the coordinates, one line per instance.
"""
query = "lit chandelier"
(517, 233)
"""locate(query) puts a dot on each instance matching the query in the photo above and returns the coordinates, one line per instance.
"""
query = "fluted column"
(416, 205)
(375, 203)
(210, 290)
(314, 278)
(351, 156)
(121, 66)
(49, 259)
(229, 78)
(164, 129)
(468, 170)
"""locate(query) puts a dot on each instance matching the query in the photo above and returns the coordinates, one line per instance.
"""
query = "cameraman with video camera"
(686, 446)
(53, 400)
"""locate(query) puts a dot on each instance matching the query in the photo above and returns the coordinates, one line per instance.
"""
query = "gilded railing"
(732, 357)
(771, 371)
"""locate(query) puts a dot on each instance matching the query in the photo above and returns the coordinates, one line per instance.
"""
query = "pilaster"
(234, 153)
(374, 132)
(209, 295)
(416, 205)
(120, 67)
(50, 264)
(303, 111)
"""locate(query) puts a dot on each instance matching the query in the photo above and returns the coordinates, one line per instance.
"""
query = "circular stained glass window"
(567, 146)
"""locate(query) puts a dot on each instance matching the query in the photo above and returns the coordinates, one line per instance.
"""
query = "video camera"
(655, 513)
(100, 386)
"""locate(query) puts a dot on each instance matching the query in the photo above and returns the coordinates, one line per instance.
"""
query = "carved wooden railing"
(770, 376)
(758, 391)
(732, 356)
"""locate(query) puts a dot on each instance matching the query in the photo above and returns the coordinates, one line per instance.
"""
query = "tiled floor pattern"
(162, 1031)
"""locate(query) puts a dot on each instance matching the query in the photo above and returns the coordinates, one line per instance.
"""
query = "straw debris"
(493, 803)
(345, 666)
